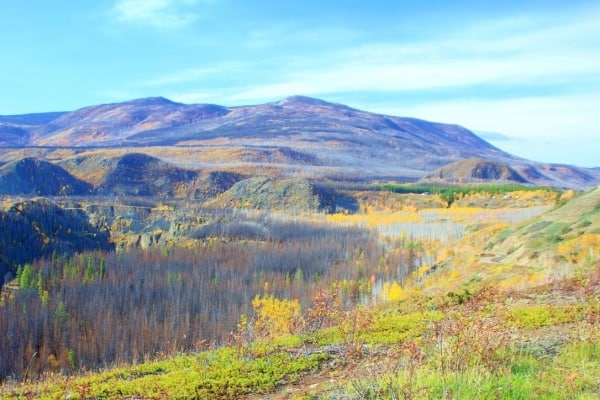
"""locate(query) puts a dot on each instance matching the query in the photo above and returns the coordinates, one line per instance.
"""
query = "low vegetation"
(323, 307)
(450, 194)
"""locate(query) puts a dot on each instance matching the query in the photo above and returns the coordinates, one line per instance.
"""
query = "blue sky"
(523, 74)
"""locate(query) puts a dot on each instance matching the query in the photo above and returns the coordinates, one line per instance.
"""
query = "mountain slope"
(567, 236)
(109, 124)
(291, 195)
(15, 129)
(297, 135)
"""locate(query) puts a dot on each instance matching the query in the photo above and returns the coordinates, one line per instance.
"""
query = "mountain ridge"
(332, 139)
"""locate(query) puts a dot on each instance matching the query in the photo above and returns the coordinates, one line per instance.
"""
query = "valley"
(292, 250)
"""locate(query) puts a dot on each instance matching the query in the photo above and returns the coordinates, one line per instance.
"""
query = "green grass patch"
(558, 228)
(535, 316)
(396, 328)
(505, 234)
(218, 374)
(573, 374)
(537, 226)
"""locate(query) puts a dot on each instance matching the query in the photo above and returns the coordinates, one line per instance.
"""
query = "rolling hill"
(31, 176)
(474, 170)
(143, 175)
(297, 136)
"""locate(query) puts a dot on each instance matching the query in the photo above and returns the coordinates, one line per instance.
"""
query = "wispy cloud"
(545, 50)
(162, 14)
(515, 52)
(534, 117)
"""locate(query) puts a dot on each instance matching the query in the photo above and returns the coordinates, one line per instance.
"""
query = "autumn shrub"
(323, 311)
(274, 317)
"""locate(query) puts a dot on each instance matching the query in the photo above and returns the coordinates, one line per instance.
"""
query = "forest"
(100, 308)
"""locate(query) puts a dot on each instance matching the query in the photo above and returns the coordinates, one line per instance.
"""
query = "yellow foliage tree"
(391, 292)
(274, 317)
(396, 292)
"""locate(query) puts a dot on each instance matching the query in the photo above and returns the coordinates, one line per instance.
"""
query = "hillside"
(30, 176)
(472, 171)
(37, 228)
(294, 137)
(565, 236)
(291, 196)
(142, 175)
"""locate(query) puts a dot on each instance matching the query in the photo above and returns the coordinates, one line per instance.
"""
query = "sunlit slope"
(561, 243)
(568, 233)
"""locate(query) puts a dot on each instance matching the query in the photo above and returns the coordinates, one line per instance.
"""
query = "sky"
(524, 75)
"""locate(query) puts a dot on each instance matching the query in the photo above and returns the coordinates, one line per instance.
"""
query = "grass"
(217, 374)
(476, 351)
(535, 316)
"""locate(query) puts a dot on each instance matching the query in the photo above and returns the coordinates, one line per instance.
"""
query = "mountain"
(295, 137)
(110, 124)
(14, 129)
(474, 170)
(30, 119)
(31, 176)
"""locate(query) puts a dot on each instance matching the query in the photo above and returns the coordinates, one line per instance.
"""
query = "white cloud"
(534, 117)
(543, 50)
(542, 54)
(161, 14)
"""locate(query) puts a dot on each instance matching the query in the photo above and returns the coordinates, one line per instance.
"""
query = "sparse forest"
(97, 309)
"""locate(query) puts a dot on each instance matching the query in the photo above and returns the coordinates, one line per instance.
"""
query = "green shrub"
(535, 316)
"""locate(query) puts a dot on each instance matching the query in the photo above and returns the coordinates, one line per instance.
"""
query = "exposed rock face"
(211, 184)
(31, 176)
